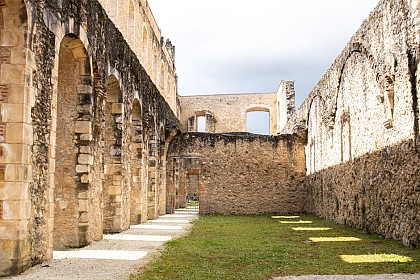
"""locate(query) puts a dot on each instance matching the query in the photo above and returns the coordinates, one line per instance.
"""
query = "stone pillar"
(16, 139)
(285, 103)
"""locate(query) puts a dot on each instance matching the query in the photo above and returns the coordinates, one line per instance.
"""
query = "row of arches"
(108, 166)
(360, 117)
(82, 145)
(135, 21)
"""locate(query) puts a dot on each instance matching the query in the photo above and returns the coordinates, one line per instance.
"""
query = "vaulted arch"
(137, 165)
(116, 188)
(77, 212)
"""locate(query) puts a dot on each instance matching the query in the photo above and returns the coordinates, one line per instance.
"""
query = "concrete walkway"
(117, 255)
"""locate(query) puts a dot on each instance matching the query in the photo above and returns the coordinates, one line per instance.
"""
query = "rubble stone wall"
(362, 120)
(242, 173)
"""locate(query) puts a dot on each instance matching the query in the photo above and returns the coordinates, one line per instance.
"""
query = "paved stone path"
(118, 255)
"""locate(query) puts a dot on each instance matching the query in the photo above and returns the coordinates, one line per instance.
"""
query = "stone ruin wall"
(238, 173)
(362, 119)
(226, 112)
(84, 131)
(135, 20)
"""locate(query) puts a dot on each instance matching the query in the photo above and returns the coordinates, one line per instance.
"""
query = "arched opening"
(316, 127)
(131, 23)
(136, 163)
(115, 192)
(258, 121)
(162, 173)
(153, 164)
(73, 208)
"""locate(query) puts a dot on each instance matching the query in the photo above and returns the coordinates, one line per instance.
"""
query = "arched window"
(258, 121)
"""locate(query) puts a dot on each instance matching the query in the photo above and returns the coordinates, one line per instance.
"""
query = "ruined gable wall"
(243, 173)
(362, 120)
(228, 110)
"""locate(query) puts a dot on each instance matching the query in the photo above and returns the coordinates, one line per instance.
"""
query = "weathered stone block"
(85, 149)
(83, 127)
(14, 191)
(114, 190)
(18, 55)
(83, 205)
(19, 133)
(12, 74)
(18, 173)
(86, 137)
(117, 108)
(86, 178)
(12, 37)
(82, 168)
(15, 154)
(16, 210)
(16, 113)
(84, 89)
(85, 159)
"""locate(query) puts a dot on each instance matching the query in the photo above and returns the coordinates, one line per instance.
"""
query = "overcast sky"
(249, 46)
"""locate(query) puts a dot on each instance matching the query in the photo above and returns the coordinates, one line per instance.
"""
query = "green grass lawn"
(260, 247)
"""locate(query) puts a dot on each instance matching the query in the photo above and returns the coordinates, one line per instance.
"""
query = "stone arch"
(137, 162)
(251, 109)
(77, 213)
(116, 193)
(314, 121)
(153, 161)
(170, 177)
(209, 121)
(162, 171)
(385, 80)
(358, 105)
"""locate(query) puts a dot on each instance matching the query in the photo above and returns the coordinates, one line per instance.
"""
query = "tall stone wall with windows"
(135, 20)
(362, 120)
(226, 112)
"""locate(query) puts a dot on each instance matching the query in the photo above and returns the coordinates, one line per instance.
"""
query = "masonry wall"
(226, 112)
(135, 20)
(66, 132)
(242, 173)
(363, 127)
